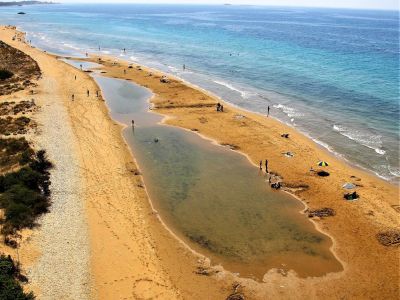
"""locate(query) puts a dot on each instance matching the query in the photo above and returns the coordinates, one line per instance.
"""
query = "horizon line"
(229, 4)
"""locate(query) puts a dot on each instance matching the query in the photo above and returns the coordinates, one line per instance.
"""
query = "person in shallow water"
(268, 111)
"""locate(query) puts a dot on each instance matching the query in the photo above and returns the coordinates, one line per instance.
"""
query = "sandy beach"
(109, 224)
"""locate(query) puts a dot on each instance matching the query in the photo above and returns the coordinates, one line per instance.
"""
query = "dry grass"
(23, 68)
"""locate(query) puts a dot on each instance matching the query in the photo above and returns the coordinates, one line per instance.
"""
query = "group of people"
(87, 91)
(275, 185)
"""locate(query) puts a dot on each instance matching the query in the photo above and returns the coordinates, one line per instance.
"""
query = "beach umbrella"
(323, 164)
(348, 186)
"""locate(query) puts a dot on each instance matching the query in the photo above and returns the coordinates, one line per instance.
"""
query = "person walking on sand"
(88, 93)
(266, 166)
(268, 111)
(73, 97)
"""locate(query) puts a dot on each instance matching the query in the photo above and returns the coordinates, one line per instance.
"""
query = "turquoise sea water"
(333, 74)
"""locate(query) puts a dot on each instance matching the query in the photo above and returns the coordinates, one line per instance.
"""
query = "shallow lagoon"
(214, 198)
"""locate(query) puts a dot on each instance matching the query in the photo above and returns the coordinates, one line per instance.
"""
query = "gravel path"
(62, 271)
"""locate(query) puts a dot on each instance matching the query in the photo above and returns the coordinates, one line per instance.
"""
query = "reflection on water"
(214, 198)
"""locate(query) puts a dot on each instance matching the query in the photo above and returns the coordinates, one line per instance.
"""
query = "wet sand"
(133, 255)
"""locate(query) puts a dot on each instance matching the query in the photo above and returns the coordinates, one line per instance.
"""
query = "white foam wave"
(368, 140)
(105, 52)
(244, 94)
(289, 111)
(71, 46)
(394, 171)
(133, 58)
(173, 69)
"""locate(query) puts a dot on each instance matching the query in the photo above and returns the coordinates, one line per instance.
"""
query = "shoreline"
(395, 180)
(355, 255)
(326, 147)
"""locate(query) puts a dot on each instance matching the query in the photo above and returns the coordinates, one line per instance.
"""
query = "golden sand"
(134, 256)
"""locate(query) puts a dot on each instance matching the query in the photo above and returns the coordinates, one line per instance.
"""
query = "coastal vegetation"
(24, 172)
(17, 70)
(5, 74)
(10, 278)
(25, 193)
(20, 3)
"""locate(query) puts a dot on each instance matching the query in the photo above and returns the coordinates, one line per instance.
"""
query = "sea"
(333, 74)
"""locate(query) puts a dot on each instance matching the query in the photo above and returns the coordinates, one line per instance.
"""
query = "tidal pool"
(214, 198)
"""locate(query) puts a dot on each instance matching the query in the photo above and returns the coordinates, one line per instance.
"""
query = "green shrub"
(24, 195)
(26, 157)
(10, 287)
(14, 146)
(5, 74)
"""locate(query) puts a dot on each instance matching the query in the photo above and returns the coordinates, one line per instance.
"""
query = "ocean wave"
(71, 46)
(133, 58)
(368, 140)
(244, 94)
(289, 111)
(173, 69)
(394, 171)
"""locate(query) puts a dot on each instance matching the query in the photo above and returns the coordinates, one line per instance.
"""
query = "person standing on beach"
(268, 111)
(75, 77)
(260, 164)
(73, 97)
(97, 94)
(218, 106)
(80, 66)
(222, 108)
(87, 92)
(266, 166)
(124, 71)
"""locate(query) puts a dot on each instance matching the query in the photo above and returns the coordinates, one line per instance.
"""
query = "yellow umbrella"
(323, 163)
